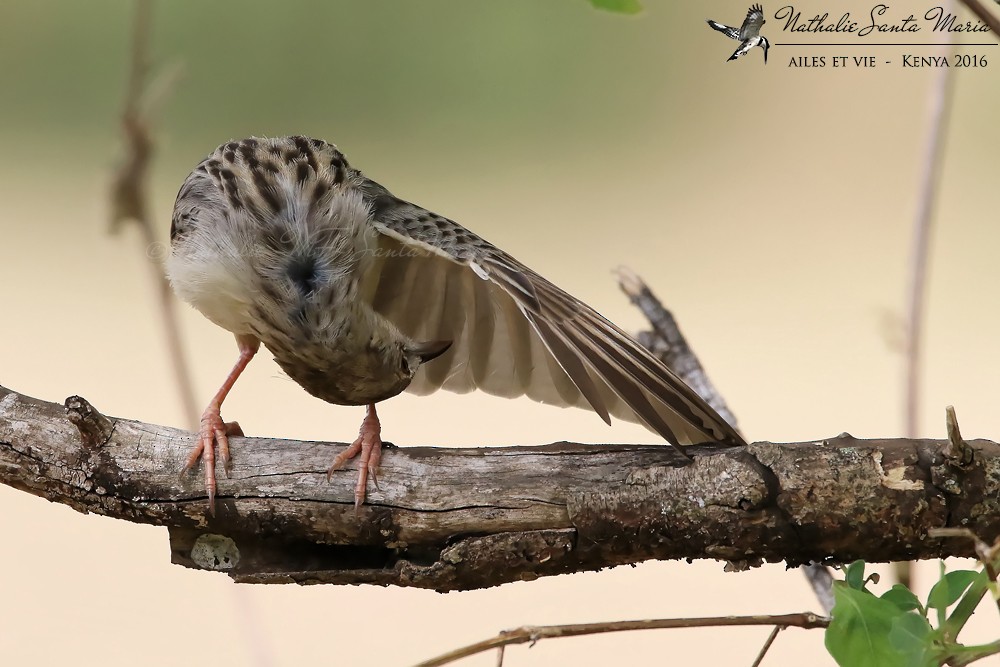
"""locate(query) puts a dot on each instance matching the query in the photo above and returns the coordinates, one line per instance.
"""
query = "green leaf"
(965, 608)
(902, 597)
(913, 637)
(858, 635)
(619, 6)
(854, 575)
(949, 588)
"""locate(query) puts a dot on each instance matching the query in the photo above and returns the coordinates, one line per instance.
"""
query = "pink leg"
(213, 430)
(369, 445)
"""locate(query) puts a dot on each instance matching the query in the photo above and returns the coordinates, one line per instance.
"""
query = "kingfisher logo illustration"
(747, 34)
(866, 39)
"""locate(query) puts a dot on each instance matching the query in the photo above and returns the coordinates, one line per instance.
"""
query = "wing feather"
(482, 332)
(728, 31)
(752, 23)
(515, 333)
(569, 361)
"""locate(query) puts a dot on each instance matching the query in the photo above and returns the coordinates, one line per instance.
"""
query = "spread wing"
(752, 23)
(514, 332)
(741, 50)
(726, 30)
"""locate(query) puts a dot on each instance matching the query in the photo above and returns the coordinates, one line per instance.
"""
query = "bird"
(360, 295)
(748, 34)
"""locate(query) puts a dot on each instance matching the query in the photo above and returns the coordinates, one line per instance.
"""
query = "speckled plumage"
(360, 295)
(270, 242)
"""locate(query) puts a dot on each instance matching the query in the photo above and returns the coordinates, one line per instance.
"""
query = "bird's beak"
(766, 47)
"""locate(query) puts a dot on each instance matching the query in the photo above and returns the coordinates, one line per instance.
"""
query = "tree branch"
(457, 519)
(668, 343)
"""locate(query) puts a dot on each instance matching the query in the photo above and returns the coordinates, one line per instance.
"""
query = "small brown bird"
(360, 295)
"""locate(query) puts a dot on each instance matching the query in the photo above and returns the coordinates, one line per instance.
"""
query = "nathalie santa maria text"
(878, 21)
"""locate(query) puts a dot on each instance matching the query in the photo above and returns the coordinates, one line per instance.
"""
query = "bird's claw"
(369, 445)
(212, 431)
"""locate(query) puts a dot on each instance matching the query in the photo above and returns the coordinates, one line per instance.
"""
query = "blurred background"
(770, 208)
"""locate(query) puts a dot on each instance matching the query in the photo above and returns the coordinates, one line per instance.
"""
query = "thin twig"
(958, 450)
(129, 200)
(821, 580)
(940, 99)
(129, 203)
(984, 15)
(987, 555)
(668, 343)
(532, 634)
(767, 645)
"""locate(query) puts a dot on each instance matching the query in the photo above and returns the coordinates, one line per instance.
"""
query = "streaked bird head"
(764, 44)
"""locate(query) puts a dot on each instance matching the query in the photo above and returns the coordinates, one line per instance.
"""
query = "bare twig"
(531, 634)
(128, 196)
(668, 343)
(984, 15)
(940, 99)
(821, 580)
(958, 450)
(767, 644)
(129, 200)
(940, 102)
(903, 572)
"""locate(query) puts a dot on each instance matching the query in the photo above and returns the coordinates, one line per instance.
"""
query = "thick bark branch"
(453, 519)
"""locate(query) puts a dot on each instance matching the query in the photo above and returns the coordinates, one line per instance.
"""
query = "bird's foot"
(213, 430)
(369, 445)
